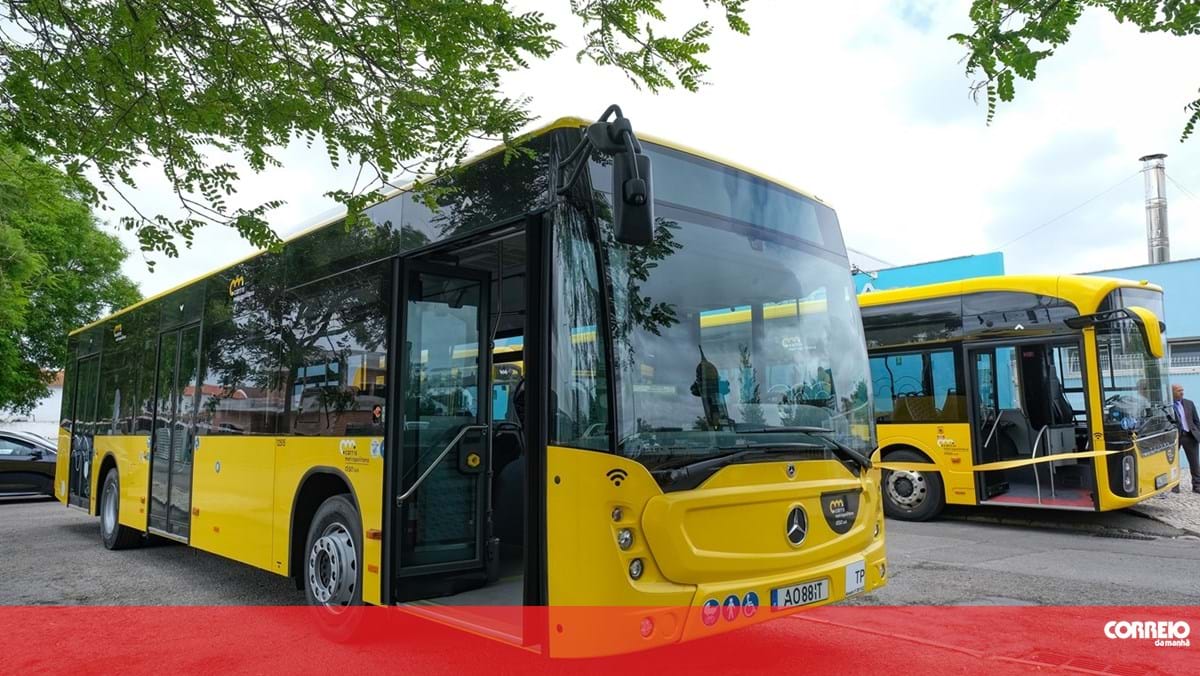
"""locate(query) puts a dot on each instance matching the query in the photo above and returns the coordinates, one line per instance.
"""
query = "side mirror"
(1146, 322)
(633, 202)
(1150, 328)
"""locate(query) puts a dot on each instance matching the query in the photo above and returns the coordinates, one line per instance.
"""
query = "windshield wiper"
(692, 474)
(827, 434)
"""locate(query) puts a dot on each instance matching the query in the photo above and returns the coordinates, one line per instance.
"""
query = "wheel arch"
(316, 486)
(892, 449)
(109, 461)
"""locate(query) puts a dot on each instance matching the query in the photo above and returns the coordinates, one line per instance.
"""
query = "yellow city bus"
(1030, 391)
(503, 400)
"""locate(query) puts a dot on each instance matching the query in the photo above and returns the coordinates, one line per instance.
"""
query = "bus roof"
(1084, 291)
(560, 123)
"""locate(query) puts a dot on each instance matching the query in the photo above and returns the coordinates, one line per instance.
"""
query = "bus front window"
(1136, 391)
(738, 327)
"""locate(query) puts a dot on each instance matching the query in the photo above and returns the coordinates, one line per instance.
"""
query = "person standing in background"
(1188, 423)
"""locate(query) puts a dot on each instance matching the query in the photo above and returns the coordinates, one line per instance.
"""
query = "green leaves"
(624, 36)
(57, 271)
(392, 86)
(1012, 37)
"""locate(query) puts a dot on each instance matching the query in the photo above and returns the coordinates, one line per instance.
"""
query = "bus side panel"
(62, 465)
(355, 459)
(948, 445)
(132, 472)
(233, 496)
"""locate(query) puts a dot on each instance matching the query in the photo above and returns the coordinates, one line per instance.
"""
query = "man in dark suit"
(1188, 423)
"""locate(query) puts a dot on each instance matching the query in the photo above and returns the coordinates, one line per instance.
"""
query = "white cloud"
(866, 105)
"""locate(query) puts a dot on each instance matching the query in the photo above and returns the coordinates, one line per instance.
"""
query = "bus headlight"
(1129, 475)
(636, 568)
(624, 538)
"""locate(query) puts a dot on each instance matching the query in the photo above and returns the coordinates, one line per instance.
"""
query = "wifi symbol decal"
(617, 476)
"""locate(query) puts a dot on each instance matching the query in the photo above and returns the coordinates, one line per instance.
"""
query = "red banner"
(840, 640)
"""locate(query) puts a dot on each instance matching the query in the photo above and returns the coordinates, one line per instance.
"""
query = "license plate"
(856, 577)
(799, 594)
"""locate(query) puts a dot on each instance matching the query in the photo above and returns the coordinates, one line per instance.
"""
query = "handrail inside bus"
(999, 415)
(441, 456)
(1037, 479)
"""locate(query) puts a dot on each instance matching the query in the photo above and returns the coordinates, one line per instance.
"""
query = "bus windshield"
(738, 327)
(1136, 391)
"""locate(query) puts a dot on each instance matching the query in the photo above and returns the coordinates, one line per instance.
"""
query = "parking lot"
(53, 555)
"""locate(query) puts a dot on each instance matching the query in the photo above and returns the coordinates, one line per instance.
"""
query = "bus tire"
(912, 496)
(331, 567)
(114, 535)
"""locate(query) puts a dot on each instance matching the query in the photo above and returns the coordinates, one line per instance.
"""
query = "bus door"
(443, 529)
(172, 441)
(83, 420)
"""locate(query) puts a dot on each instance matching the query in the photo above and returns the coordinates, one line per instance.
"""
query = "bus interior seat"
(508, 503)
(914, 408)
(952, 409)
(508, 444)
(1061, 413)
(1017, 431)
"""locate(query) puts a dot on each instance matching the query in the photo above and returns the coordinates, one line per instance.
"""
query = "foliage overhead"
(388, 86)
(1012, 37)
(58, 270)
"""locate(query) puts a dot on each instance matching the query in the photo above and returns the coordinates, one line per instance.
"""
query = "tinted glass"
(242, 391)
(914, 322)
(335, 248)
(693, 378)
(114, 390)
(333, 339)
(1136, 393)
(917, 387)
(1002, 312)
(579, 388)
(490, 190)
(740, 199)
(442, 390)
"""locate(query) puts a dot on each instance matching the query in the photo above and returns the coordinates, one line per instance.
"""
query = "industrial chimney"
(1157, 241)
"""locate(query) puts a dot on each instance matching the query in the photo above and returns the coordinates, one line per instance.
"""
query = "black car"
(26, 464)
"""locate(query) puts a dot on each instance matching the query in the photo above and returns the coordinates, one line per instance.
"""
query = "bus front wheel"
(333, 556)
(114, 535)
(911, 496)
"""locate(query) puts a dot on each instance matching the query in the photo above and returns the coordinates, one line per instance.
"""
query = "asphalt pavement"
(53, 555)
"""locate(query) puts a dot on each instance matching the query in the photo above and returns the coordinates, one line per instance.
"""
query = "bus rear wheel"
(911, 496)
(114, 535)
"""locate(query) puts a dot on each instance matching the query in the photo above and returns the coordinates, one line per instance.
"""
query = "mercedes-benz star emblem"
(797, 526)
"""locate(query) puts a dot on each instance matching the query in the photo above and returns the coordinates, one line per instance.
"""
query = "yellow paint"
(948, 445)
(133, 472)
(1086, 293)
(294, 457)
(235, 498)
(1150, 324)
(726, 537)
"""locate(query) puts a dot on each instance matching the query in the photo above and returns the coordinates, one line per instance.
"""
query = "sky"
(866, 105)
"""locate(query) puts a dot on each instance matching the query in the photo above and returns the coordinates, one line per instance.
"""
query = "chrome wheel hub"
(333, 567)
(907, 489)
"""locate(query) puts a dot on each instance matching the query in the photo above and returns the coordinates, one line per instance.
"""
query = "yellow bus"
(1029, 391)
(510, 398)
